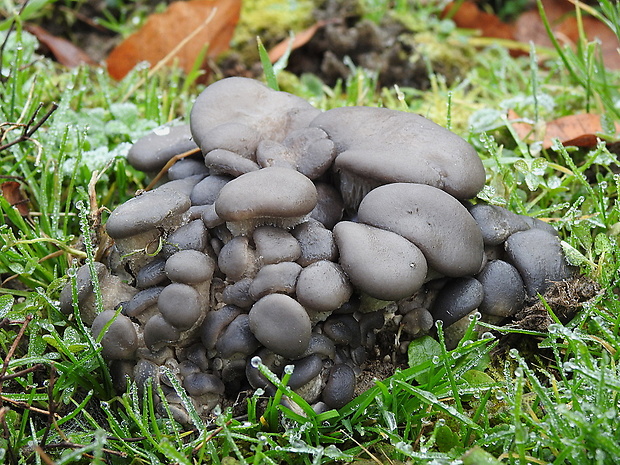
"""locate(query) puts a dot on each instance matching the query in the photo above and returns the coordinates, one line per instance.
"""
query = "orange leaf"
(299, 40)
(204, 22)
(581, 130)
(468, 16)
(64, 51)
(12, 193)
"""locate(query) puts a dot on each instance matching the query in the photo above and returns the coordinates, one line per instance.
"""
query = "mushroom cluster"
(296, 235)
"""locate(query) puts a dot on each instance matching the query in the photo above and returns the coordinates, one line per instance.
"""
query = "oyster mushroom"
(280, 197)
(120, 341)
(433, 220)
(151, 152)
(380, 263)
(378, 146)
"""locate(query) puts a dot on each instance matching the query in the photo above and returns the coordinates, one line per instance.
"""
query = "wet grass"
(552, 398)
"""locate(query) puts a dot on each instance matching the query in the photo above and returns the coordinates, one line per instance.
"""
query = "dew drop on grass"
(487, 335)
(256, 361)
(288, 369)
(513, 353)
(259, 392)
(72, 272)
(435, 359)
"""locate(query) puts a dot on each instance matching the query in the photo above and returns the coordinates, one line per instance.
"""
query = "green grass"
(558, 403)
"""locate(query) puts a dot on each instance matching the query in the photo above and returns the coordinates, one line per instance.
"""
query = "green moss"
(272, 20)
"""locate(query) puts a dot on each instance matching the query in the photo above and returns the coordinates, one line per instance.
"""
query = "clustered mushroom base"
(295, 237)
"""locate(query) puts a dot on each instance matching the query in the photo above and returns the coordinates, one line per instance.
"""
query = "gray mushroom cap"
(277, 195)
(153, 151)
(316, 242)
(237, 259)
(275, 245)
(457, 298)
(496, 223)
(380, 263)
(180, 305)
(340, 386)
(237, 338)
(277, 277)
(207, 190)
(190, 267)
(186, 168)
(158, 333)
(214, 323)
(84, 284)
(120, 340)
(379, 146)
(538, 256)
(417, 322)
(430, 218)
(323, 286)
(504, 292)
(146, 212)
(305, 370)
(281, 324)
(271, 114)
(199, 384)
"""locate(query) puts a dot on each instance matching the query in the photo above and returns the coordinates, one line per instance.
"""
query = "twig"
(17, 374)
(52, 405)
(31, 126)
(24, 405)
(12, 350)
(168, 165)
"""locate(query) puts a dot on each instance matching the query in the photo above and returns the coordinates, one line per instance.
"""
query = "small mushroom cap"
(281, 324)
(321, 345)
(380, 263)
(152, 274)
(275, 193)
(120, 340)
(343, 330)
(84, 285)
(277, 277)
(190, 267)
(275, 245)
(141, 301)
(158, 333)
(237, 338)
(393, 146)
(214, 323)
(306, 369)
(191, 236)
(306, 150)
(417, 322)
(180, 305)
(538, 256)
(146, 212)
(186, 168)
(207, 190)
(200, 384)
(153, 151)
(340, 386)
(269, 113)
(434, 221)
(316, 242)
(225, 162)
(238, 293)
(456, 299)
(237, 259)
(234, 137)
(504, 292)
(496, 223)
(323, 286)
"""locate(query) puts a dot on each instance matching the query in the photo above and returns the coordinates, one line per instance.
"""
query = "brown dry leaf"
(11, 191)
(162, 32)
(469, 16)
(561, 16)
(299, 40)
(574, 130)
(64, 51)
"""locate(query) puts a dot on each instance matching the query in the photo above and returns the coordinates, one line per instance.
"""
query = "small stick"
(168, 165)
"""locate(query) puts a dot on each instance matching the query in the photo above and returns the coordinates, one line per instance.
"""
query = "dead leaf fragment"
(580, 130)
(64, 51)
(299, 40)
(11, 191)
(469, 16)
(162, 32)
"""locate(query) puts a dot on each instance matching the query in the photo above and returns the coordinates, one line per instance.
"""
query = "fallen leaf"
(469, 16)
(205, 22)
(529, 27)
(580, 130)
(299, 40)
(64, 51)
(11, 191)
